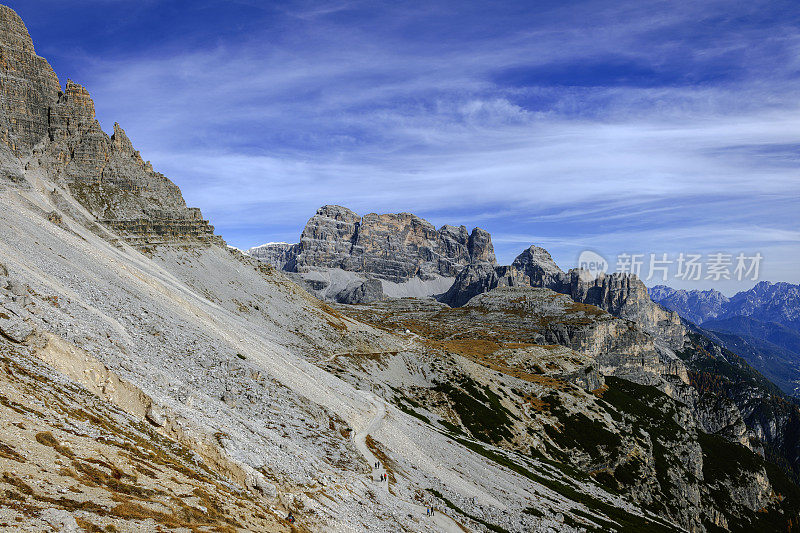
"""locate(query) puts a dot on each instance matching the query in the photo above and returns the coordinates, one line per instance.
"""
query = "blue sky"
(616, 126)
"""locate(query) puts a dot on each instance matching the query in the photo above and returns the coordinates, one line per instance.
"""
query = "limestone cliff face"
(55, 131)
(395, 247)
(276, 254)
(28, 86)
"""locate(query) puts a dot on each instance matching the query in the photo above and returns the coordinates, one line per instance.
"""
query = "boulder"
(14, 328)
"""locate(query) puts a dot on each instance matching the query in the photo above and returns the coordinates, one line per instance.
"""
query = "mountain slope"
(772, 349)
(521, 370)
(525, 410)
(116, 285)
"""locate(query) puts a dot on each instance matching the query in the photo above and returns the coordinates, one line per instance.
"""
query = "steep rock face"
(276, 254)
(472, 281)
(327, 240)
(625, 296)
(537, 265)
(395, 247)
(361, 292)
(56, 133)
(28, 86)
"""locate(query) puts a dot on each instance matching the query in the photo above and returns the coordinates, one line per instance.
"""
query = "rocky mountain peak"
(537, 264)
(14, 30)
(28, 86)
(337, 212)
(57, 132)
(395, 247)
(622, 295)
(766, 301)
(480, 246)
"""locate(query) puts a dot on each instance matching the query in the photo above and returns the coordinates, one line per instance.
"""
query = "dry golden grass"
(7, 452)
(538, 404)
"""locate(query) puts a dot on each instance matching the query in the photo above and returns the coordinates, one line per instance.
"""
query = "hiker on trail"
(428, 511)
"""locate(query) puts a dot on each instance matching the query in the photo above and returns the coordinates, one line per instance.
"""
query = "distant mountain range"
(761, 324)
(766, 302)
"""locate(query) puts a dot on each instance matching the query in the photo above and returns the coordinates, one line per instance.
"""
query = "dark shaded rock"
(472, 281)
(362, 292)
(537, 265)
(278, 254)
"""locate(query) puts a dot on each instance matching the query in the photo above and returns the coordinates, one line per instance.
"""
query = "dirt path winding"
(441, 520)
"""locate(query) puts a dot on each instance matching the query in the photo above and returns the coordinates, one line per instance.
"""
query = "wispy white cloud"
(398, 110)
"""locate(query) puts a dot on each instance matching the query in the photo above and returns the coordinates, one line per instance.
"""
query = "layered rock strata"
(55, 131)
(393, 247)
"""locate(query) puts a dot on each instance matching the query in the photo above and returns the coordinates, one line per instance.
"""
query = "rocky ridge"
(765, 302)
(622, 295)
(54, 132)
(394, 247)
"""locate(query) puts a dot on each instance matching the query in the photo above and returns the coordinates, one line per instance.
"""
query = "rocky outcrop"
(276, 254)
(28, 86)
(619, 347)
(361, 292)
(472, 281)
(535, 265)
(55, 131)
(622, 295)
(395, 247)
(625, 296)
